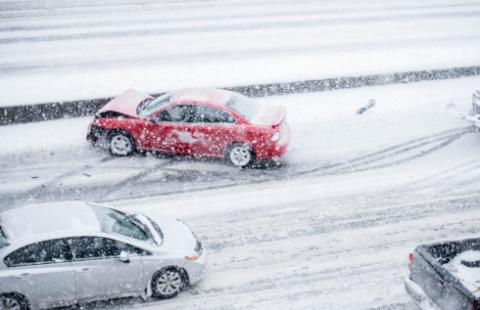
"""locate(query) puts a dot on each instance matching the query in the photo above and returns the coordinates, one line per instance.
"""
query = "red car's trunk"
(269, 116)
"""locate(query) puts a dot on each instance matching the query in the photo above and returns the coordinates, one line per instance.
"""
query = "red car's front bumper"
(97, 135)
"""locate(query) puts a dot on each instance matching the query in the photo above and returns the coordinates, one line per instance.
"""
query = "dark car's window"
(177, 114)
(100, 248)
(46, 252)
(206, 114)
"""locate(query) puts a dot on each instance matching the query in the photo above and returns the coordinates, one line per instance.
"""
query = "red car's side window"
(206, 114)
(177, 114)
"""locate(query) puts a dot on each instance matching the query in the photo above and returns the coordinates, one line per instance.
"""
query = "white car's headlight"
(192, 258)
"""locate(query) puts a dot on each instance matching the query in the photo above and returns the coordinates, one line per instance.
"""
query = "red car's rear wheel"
(240, 154)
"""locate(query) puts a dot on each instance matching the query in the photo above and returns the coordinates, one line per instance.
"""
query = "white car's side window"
(86, 248)
(46, 252)
(94, 248)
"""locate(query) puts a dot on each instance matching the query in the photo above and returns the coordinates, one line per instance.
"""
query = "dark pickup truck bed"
(433, 285)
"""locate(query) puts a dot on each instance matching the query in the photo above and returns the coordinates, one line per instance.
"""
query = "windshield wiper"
(132, 219)
(3, 239)
(152, 227)
(155, 226)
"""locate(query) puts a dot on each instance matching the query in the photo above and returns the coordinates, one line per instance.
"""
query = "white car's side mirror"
(124, 257)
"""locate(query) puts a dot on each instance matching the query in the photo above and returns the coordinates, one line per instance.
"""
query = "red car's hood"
(269, 115)
(126, 103)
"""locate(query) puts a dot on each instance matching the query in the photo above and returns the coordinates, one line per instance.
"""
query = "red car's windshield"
(243, 106)
(148, 107)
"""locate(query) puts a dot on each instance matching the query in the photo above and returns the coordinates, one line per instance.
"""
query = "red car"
(198, 122)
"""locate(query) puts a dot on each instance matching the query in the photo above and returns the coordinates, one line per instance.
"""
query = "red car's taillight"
(411, 256)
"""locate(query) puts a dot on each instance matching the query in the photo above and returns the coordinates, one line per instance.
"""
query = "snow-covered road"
(82, 49)
(331, 229)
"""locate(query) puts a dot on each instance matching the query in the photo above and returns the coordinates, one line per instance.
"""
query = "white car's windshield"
(116, 222)
(243, 106)
(148, 107)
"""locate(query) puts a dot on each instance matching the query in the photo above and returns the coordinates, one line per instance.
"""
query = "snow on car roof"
(36, 220)
(218, 96)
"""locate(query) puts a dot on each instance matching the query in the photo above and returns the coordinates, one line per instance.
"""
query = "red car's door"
(212, 130)
(169, 130)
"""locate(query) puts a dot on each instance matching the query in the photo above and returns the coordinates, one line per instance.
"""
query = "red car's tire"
(121, 143)
(240, 154)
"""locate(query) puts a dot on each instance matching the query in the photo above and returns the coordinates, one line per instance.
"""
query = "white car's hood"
(176, 235)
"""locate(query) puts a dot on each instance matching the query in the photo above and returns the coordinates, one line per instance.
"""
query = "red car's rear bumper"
(275, 149)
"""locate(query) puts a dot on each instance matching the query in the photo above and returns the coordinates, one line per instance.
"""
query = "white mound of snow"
(468, 276)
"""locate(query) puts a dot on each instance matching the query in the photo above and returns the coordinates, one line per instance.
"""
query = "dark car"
(445, 275)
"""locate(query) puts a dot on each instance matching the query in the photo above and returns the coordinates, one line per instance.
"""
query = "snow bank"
(63, 53)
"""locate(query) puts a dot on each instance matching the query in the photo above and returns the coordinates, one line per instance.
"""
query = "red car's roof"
(206, 95)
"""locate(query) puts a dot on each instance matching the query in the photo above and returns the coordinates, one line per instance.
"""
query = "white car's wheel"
(121, 144)
(12, 302)
(240, 154)
(167, 283)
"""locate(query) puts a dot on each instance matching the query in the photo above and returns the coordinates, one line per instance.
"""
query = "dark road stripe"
(78, 108)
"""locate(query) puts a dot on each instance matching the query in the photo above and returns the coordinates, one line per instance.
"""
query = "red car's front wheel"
(121, 144)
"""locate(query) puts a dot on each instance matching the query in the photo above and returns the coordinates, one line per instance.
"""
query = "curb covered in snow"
(66, 109)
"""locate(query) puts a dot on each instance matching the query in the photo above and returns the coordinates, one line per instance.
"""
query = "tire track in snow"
(383, 158)
(151, 17)
(306, 246)
(358, 164)
(76, 7)
(442, 144)
(358, 269)
(171, 180)
(228, 28)
(449, 175)
(222, 53)
(310, 222)
(44, 188)
(312, 282)
(109, 190)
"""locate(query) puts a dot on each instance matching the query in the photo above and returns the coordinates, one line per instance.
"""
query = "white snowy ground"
(63, 50)
(334, 228)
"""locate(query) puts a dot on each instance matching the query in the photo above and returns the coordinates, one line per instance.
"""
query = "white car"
(60, 254)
